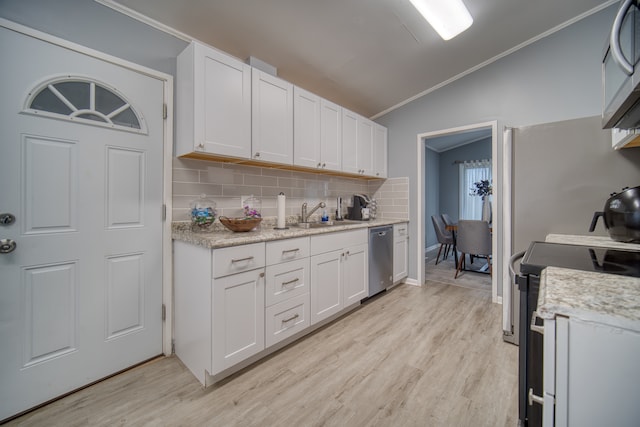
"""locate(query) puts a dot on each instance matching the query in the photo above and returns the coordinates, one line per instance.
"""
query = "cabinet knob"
(262, 274)
(324, 164)
(257, 154)
(319, 165)
(201, 146)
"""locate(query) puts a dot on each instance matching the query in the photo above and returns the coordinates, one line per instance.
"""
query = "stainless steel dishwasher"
(380, 259)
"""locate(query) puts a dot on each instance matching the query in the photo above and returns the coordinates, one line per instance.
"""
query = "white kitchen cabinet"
(306, 128)
(238, 318)
(591, 373)
(335, 260)
(379, 151)
(330, 135)
(317, 136)
(360, 138)
(400, 252)
(219, 306)
(355, 270)
(271, 118)
(365, 146)
(350, 142)
(213, 103)
(287, 289)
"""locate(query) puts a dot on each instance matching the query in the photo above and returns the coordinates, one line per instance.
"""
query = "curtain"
(470, 173)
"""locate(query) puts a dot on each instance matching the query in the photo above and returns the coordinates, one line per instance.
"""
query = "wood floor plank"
(415, 356)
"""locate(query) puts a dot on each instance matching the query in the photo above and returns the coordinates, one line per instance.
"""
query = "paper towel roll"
(281, 211)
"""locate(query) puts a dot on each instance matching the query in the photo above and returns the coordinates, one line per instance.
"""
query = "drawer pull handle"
(534, 327)
(290, 250)
(290, 282)
(249, 258)
(294, 317)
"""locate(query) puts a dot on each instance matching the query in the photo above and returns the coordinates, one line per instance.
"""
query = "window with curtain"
(470, 173)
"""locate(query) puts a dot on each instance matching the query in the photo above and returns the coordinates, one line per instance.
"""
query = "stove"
(539, 256)
(585, 258)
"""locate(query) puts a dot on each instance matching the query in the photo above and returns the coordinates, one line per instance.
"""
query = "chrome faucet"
(305, 215)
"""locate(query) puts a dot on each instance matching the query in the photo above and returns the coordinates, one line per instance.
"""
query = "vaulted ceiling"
(367, 55)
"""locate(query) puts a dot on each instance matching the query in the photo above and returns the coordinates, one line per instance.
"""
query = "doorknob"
(7, 246)
(7, 219)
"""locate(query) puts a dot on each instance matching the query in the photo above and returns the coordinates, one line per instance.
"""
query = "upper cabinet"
(213, 98)
(379, 151)
(272, 118)
(227, 109)
(361, 140)
(317, 133)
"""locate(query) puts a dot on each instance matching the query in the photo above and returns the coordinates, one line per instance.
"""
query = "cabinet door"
(365, 146)
(306, 128)
(330, 135)
(237, 318)
(349, 141)
(400, 252)
(355, 276)
(326, 285)
(272, 118)
(380, 151)
(213, 103)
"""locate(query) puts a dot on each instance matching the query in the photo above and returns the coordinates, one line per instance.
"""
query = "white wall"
(555, 78)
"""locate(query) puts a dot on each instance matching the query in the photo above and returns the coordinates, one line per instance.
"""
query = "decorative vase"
(486, 209)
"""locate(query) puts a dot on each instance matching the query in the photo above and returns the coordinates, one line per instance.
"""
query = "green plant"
(482, 188)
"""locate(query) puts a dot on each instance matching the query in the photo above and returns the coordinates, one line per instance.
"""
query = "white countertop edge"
(593, 297)
(597, 241)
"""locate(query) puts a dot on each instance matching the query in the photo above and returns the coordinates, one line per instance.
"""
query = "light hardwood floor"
(416, 356)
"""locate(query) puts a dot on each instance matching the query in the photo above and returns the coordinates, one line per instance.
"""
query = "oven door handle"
(534, 327)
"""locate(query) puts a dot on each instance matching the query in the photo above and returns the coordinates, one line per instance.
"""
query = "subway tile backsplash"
(227, 183)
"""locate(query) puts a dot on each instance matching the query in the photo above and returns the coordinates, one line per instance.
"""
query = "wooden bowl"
(240, 224)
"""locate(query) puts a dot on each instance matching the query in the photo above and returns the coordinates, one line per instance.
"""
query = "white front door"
(81, 157)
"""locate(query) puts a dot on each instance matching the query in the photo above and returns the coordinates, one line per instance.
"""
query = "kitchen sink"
(325, 224)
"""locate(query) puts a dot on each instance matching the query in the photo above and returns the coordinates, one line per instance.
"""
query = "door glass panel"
(88, 101)
(77, 93)
(47, 101)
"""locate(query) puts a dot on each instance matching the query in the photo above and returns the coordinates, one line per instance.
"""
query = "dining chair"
(445, 237)
(447, 219)
(474, 239)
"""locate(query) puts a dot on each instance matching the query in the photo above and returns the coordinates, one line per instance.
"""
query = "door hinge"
(164, 212)
(164, 111)
(164, 312)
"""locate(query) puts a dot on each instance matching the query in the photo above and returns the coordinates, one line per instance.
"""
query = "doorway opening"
(439, 189)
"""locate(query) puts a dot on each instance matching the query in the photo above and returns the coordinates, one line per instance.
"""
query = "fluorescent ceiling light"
(448, 17)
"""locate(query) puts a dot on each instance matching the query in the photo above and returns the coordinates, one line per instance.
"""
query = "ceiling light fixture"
(448, 17)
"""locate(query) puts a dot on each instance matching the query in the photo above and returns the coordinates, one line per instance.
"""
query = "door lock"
(7, 246)
(7, 219)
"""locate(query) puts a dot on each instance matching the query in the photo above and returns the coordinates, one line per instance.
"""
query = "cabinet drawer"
(237, 259)
(286, 318)
(287, 250)
(400, 232)
(336, 241)
(287, 280)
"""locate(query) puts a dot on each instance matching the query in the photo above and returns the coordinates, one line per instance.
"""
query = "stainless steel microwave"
(621, 70)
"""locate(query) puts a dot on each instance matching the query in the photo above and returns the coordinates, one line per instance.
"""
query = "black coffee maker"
(360, 209)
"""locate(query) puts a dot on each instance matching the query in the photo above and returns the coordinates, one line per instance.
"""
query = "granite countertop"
(222, 238)
(604, 298)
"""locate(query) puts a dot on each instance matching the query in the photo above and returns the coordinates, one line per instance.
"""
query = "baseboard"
(412, 282)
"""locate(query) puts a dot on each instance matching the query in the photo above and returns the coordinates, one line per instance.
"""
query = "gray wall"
(555, 78)
(96, 26)
(559, 193)
(432, 195)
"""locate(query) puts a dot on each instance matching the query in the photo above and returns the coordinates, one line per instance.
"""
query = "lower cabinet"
(339, 272)
(400, 252)
(234, 305)
(591, 374)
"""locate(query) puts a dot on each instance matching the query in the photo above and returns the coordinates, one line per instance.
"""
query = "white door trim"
(498, 226)
(167, 79)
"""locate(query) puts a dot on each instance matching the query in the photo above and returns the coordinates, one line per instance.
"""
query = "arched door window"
(84, 100)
